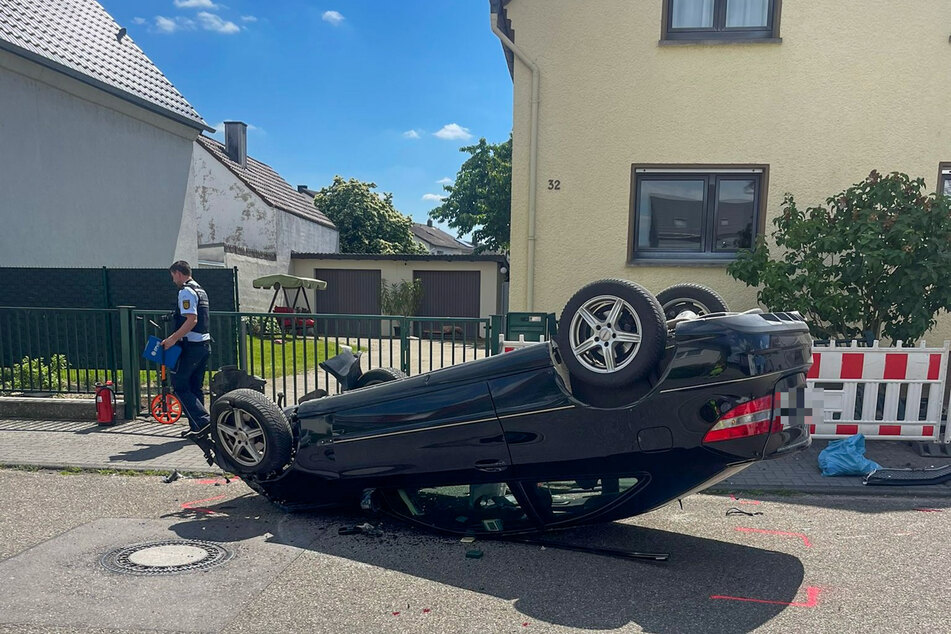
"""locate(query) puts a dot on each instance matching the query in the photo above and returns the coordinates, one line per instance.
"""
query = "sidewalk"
(146, 445)
(138, 444)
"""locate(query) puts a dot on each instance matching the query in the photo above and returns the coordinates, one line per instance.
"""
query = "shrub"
(401, 298)
(34, 374)
(874, 261)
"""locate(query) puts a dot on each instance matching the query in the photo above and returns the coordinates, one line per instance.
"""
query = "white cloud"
(138, 20)
(411, 134)
(195, 4)
(445, 181)
(434, 197)
(212, 22)
(165, 25)
(171, 25)
(248, 18)
(453, 132)
(334, 17)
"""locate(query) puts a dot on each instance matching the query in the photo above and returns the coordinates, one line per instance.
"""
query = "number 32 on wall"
(554, 185)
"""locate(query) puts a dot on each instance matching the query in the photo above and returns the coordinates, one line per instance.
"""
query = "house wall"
(853, 86)
(227, 211)
(400, 270)
(87, 179)
(250, 267)
(304, 236)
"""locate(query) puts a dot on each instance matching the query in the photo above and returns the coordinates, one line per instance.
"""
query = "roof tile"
(81, 35)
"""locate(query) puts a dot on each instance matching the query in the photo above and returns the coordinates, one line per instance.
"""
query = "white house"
(437, 241)
(249, 217)
(95, 144)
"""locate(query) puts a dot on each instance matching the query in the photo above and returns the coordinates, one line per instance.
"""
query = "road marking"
(189, 506)
(805, 540)
(812, 599)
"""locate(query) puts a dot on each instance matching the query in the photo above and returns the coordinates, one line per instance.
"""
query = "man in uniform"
(191, 333)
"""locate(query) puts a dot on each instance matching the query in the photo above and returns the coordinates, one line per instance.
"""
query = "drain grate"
(167, 557)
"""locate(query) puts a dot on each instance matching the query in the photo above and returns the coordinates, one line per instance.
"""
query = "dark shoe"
(197, 433)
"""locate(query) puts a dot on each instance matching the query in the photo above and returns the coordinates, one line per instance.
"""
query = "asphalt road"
(806, 564)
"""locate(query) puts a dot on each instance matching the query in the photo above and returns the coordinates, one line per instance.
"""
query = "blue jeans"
(187, 380)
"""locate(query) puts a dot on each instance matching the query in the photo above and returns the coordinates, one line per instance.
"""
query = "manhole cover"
(166, 557)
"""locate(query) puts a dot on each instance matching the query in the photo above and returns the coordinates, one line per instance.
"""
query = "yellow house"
(652, 138)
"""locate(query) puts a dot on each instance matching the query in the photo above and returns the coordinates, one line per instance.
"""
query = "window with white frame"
(695, 213)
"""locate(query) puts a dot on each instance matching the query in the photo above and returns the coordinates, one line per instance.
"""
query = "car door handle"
(491, 466)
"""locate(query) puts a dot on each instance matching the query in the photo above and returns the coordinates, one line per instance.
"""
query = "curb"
(935, 491)
(59, 466)
(41, 408)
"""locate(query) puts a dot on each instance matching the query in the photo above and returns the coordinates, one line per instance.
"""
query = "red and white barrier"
(912, 379)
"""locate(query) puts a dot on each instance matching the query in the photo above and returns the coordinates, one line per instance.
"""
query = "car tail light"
(746, 419)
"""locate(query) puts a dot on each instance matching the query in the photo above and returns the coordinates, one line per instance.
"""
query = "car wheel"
(693, 297)
(611, 333)
(379, 375)
(251, 434)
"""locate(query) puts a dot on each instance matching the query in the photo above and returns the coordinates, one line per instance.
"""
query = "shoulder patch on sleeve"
(186, 303)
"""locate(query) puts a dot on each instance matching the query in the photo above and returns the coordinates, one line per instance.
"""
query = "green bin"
(535, 326)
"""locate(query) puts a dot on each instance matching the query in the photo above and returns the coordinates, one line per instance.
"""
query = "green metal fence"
(286, 349)
(58, 350)
(46, 350)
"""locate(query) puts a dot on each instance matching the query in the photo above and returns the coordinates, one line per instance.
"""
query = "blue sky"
(380, 90)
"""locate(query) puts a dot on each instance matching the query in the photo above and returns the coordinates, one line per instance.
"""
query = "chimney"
(429, 223)
(302, 189)
(236, 142)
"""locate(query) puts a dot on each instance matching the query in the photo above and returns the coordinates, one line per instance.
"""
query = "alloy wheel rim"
(674, 307)
(242, 437)
(605, 334)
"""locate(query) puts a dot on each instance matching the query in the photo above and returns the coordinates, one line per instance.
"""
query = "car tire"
(379, 375)
(605, 354)
(251, 434)
(693, 297)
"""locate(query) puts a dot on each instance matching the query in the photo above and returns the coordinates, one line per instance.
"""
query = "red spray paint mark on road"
(216, 480)
(190, 506)
(396, 614)
(734, 498)
(426, 610)
(812, 599)
(805, 540)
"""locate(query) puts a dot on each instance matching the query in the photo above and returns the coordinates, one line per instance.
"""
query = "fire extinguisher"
(105, 404)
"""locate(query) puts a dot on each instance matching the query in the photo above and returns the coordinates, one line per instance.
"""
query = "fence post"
(494, 329)
(243, 344)
(404, 344)
(130, 383)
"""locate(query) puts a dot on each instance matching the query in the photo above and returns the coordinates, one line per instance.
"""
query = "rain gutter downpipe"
(532, 156)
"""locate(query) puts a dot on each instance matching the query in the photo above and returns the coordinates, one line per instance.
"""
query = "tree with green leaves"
(874, 261)
(480, 201)
(367, 221)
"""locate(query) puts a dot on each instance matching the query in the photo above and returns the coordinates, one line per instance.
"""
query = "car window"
(475, 508)
(563, 500)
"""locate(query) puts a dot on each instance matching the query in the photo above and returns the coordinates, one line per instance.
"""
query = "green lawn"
(268, 359)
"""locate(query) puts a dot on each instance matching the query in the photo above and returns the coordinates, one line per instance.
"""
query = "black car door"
(444, 435)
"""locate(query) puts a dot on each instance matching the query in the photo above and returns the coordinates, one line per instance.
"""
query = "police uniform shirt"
(188, 305)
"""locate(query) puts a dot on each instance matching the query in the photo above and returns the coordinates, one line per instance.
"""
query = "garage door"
(450, 294)
(349, 292)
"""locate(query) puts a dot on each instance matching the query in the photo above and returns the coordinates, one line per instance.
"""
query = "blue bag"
(155, 352)
(846, 457)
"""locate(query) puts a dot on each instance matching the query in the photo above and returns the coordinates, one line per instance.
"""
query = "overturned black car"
(636, 403)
